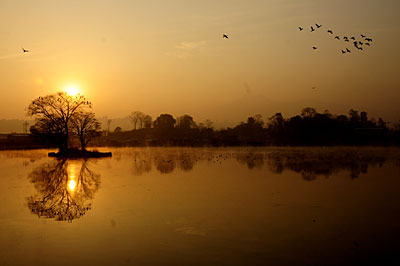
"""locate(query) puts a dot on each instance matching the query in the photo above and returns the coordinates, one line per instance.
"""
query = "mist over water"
(203, 206)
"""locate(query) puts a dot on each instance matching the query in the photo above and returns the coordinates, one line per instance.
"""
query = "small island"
(65, 120)
(76, 153)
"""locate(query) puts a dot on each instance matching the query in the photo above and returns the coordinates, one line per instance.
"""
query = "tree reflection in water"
(164, 162)
(141, 163)
(308, 162)
(252, 160)
(323, 163)
(64, 189)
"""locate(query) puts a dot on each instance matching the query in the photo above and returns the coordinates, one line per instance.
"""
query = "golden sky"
(161, 56)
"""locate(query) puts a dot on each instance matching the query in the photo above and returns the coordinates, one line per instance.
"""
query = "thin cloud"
(185, 49)
(188, 46)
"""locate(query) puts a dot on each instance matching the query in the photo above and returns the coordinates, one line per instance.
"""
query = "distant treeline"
(309, 128)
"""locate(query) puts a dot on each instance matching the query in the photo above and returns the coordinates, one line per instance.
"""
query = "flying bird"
(353, 38)
(318, 26)
(343, 52)
(360, 42)
(360, 48)
(225, 36)
(368, 39)
(312, 29)
(329, 31)
(24, 50)
(356, 44)
(368, 44)
(337, 37)
(347, 49)
(363, 36)
(314, 48)
(300, 28)
(346, 40)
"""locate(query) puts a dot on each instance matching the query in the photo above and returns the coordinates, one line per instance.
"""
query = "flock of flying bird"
(358, 44)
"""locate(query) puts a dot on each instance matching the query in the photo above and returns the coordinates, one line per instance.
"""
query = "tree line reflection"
(310, 166)
(309, 163)
(63, 189)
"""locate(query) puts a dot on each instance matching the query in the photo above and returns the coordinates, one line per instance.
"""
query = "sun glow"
(72, 90)
(72, 185)
(71, 169)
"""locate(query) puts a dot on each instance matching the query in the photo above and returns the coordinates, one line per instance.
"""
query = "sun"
(72, 185)
(72, 90)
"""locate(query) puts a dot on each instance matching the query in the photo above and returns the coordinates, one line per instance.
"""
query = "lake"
(202, 206)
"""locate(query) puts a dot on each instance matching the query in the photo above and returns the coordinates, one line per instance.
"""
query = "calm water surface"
(186, 206)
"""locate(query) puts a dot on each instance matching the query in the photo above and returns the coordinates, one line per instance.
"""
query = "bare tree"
(136, 117)
(25, 127)
(140, 120)
(108, 125)
(53, 114)
(85, 127)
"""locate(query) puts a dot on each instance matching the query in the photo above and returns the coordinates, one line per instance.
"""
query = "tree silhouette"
(354, 117)
(308, 112)
(163, 129)
(64, 189)
(85, 127)
(185, 122)
(364, 119)
(276, 128)
(258, 119)
(135, 117)
(147, 121)
(164, 122)
(208, 124)
(309, 128)
(53, 115)
(140, 120)
(25, 127)
(381, 123)
(108, 125)
(277, 120)
(251, 132)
